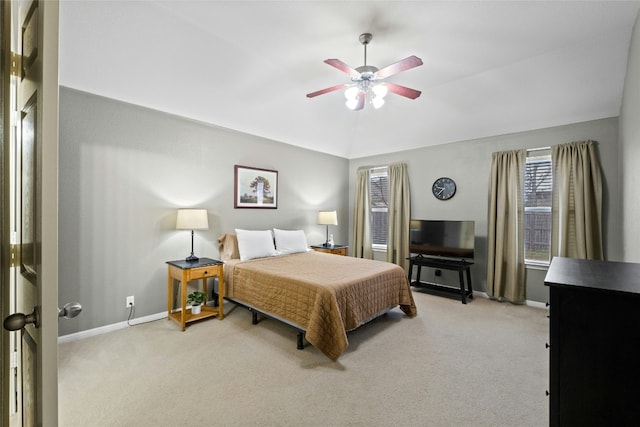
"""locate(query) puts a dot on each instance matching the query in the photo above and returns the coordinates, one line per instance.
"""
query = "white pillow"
(255, 244)
(290, 241)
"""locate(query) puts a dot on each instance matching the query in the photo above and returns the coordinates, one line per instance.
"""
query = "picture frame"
(255, 188)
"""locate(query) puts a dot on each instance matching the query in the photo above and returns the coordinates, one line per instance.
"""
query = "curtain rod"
(538, 149)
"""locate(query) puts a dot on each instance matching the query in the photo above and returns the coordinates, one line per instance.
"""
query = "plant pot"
(195, 309)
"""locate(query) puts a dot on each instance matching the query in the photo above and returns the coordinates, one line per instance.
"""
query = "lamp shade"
(192, 219)
(328, 218)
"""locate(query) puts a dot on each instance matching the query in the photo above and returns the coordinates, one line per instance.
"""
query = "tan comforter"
(324, 294)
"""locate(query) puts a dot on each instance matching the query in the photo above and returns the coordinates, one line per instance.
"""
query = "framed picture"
(255, 188)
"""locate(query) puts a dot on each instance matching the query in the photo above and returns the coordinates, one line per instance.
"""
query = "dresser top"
(607, 276)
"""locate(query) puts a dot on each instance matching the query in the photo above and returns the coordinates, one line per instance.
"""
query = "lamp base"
(192, 258)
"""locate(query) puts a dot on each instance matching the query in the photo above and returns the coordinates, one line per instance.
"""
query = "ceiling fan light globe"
(352, 103)
(351, 93)
(380, 90)
(377, 102)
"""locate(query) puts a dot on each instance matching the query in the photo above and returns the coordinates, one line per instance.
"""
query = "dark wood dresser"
(594, 338)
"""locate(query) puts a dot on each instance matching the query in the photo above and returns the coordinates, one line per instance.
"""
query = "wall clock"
(443, 188)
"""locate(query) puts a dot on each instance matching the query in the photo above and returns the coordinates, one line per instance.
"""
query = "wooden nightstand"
(335, 249)
(184, 272)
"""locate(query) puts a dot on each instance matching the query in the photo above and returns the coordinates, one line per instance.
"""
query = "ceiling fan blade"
(327, 90)
(403, 90)
(402, 65)
(342, 67)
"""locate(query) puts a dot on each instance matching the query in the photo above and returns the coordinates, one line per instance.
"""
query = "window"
(379, 196)
(538, 192)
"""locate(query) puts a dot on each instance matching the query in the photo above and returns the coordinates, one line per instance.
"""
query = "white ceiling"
(490, 67)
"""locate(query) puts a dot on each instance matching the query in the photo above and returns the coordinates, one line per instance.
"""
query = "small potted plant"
(196, 299)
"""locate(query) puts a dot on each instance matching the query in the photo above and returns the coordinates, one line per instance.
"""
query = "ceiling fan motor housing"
(366, 73)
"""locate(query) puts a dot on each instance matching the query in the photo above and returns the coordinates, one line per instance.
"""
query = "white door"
(29, 212)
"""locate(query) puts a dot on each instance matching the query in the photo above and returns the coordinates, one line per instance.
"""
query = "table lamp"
(192, 219)
(327, 218)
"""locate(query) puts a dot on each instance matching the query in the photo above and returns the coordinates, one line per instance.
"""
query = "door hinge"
(16, 64)
(14, 261)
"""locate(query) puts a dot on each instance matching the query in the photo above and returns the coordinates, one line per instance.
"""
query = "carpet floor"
(479, 364)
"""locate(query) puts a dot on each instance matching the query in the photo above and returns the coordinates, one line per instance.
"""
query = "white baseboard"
(536, 304)
(163, 315)
(110, 328)
(527, 302)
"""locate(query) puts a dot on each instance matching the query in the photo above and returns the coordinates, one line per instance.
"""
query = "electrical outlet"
(130, 302)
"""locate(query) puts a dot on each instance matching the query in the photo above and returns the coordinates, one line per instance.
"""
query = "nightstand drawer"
(206, 271)
(336, 250)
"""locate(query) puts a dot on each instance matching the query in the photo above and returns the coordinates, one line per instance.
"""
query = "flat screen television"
(453, 239)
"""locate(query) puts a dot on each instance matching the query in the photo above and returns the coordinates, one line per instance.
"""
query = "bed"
(322, 295)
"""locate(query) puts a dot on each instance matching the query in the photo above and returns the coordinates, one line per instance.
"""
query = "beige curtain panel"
(505, 256)
(577, 202)
(399, 215)
(361, 216)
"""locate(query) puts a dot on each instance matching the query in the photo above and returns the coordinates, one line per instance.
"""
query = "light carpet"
(479, 364)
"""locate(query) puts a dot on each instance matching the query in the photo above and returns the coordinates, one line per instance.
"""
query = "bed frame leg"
(254, 321)
(300, 340)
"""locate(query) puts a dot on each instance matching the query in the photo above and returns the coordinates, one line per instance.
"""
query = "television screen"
(442, 238)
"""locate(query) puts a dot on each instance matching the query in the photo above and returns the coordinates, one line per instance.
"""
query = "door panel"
(29, 375)
(28, 166)
(33, 207)
(27, 216)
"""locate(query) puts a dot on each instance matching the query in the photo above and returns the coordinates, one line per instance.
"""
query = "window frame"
(373, 173)
(539, 156)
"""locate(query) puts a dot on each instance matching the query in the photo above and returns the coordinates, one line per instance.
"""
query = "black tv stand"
(445, 264)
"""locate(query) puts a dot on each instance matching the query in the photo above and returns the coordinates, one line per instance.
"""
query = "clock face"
(444, 188)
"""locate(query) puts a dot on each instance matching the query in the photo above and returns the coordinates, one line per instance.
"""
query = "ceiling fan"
(366, 80)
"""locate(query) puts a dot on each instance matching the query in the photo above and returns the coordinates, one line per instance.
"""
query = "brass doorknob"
(17, 321)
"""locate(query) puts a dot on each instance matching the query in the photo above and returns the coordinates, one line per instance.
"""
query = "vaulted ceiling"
(490, 67)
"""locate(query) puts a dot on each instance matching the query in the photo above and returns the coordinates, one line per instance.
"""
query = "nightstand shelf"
(205, 312)
(184, 272)
(335, 249)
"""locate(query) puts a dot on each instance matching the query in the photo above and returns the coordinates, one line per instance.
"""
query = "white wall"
(124, 170)
(469, 164)
(630, 151)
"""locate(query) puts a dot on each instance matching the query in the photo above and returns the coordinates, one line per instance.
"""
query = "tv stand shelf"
(461, 266)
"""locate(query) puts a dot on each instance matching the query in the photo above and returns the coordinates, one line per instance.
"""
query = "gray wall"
(469, 164)
(124, 170)
(630, 150)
